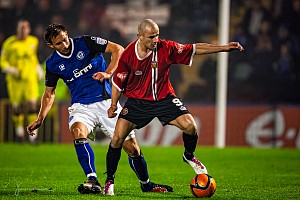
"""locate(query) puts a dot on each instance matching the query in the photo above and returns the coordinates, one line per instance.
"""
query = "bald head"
(148, 33)
(147, 24)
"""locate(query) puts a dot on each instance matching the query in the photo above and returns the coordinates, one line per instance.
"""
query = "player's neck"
(21, 37)
(142, 50)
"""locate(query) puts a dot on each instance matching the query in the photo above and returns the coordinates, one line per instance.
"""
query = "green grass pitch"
(51, 171)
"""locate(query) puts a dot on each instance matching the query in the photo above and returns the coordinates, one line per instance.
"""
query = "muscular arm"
(205, 48)
(46, 104)
(116, 51)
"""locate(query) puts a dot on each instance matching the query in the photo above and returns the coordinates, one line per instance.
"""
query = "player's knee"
(78, 133)
(133, 153)
(190, 129)
(117, 141)
(131, 148)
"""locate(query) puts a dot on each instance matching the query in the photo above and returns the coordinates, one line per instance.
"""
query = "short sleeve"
(51, 78)
(96, 44)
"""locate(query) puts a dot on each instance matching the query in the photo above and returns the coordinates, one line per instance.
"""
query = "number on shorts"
(177, 102)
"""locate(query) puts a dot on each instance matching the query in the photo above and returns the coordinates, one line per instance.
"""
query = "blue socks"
(86, 157)
(139, 166)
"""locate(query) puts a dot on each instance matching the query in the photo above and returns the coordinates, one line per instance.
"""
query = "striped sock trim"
(144, 182)
(92, 174)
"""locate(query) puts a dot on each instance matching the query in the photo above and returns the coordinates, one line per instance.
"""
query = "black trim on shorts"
(142, 112)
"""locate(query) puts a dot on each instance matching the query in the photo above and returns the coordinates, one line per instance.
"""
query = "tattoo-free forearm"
(46, 104)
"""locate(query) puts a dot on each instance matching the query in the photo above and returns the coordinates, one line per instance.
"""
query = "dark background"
(267, 72)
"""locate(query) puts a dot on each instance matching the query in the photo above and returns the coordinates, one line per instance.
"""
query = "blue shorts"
(142, 112)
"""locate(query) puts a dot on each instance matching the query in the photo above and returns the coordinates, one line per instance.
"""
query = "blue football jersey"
(77, 69)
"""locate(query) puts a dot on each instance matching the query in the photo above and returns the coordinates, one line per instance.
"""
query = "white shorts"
(95, 114)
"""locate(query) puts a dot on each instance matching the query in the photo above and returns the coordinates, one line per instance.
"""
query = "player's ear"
(50, 45)
(139, 36)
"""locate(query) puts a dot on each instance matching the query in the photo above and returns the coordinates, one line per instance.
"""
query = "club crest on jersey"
(70, 118)
(124, 111)
(154, 64)
(61, 67)
(80, 55)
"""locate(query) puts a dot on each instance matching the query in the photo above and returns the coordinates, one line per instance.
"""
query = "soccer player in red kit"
(142, 76)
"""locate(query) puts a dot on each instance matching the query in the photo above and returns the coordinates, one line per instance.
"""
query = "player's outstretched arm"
(205, 48)
(46, 104)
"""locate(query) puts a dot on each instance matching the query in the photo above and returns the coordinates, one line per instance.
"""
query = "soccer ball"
(203, 185)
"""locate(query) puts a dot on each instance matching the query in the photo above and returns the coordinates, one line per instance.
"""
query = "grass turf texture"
(51, 171)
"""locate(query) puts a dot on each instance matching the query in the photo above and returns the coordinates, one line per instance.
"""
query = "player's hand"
(34, 125)
(40, 72)
(100, 76)
(12, 71)
(111, 111)
(234, 46)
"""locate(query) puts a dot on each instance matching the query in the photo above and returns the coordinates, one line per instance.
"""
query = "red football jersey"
(148, 78)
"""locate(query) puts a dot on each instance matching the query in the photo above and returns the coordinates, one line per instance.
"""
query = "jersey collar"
(136, 51)
(72, 49)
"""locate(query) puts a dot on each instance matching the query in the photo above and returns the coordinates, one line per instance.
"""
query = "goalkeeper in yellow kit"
(20, 63)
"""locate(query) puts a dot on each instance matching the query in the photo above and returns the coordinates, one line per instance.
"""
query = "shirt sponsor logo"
(138, 73)
(80, 55)
(122, 76)
(77, 73)
(180, 48)
(182, 108)
(99, 40)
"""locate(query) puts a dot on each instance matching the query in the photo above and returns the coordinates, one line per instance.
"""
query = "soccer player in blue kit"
(81, 65)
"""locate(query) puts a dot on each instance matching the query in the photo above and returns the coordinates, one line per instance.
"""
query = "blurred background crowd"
(268, 72)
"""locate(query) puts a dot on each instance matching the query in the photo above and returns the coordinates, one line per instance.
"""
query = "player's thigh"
(170, 109)
(138, 112)
(107, 124)
(83, 114)
(186, 123)
(123, 128)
